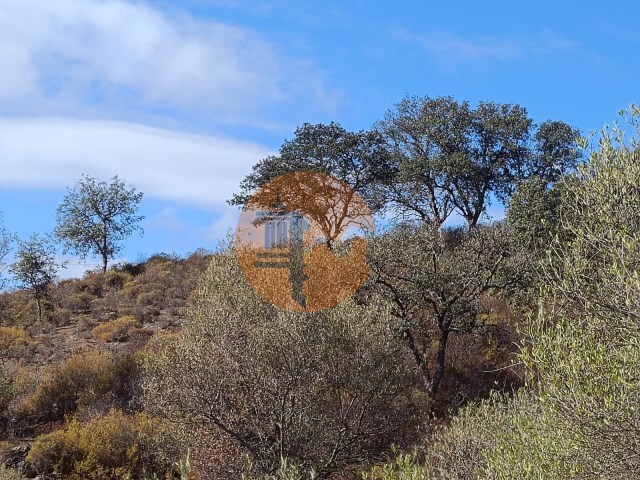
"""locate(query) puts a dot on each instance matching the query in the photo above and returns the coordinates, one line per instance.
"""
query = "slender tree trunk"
(39, 302)
(440, 363)
(420, 359)
(105, 252)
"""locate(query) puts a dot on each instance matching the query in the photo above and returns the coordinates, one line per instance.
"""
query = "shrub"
(116, 280)
(13, 341)
(286, 471)
(60, 317)
(79, 302)
(326, 390)
(404, 466)
(117, 330)
(65, 386)
(114, 447)
(9, 474)
(89, 380)
(18, 309)
(7, 391)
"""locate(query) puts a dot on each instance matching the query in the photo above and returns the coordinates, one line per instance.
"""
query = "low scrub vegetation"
(118, 330)
(115, 446)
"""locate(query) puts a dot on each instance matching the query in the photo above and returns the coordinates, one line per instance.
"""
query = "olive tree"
(35, 267)
(326, 390)
(584, 343)
(594, 285)
(96, 216)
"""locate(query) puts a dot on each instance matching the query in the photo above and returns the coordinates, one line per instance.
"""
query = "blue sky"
(181, 98)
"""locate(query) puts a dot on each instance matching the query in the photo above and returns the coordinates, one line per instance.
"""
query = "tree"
(96, 216)
(325, 390)
(6, 239)
(35, 267)
(435, 279)
(450, 157)
(358, 159)
(534, 214)
(578, 415)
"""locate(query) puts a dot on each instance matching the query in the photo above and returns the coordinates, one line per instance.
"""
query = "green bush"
(13, 342)
(60, 317)
(326, 390)
(578, 416)
(79, 302)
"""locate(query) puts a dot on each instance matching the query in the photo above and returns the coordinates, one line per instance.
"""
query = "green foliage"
(357, 158)
(325, 390)
(534, 213)
(165, 283)
(35, 267)
(402, 467)
(451, 157)
(96, 216)
(162, 284)
(13, 341)
(83, 381)
(500, 439)
(286, 471)
(578, 417)
(435, 285)
(587, 362)
(429, 157)
(66, 386)
(7, 391)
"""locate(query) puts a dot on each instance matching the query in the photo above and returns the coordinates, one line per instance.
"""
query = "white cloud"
(118, 52)
(167, 219)
(223, 226)
(447, 47)
(194, 169)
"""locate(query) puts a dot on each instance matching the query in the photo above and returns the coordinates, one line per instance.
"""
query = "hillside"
(81, 364)
(57, 368)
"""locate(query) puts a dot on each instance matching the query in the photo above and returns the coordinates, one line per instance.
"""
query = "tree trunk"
(420, 359)
(105, 251)
(39, 302)
(440, 363)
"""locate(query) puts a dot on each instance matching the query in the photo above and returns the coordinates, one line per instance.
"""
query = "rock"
(15, 458)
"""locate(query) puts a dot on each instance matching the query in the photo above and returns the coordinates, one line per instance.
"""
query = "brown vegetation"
(72, 380)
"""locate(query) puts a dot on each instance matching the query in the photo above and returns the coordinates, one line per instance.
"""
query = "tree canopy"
(35, 266)
(95, 216)
(435, 280)
(358, 159)
(450, 157)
